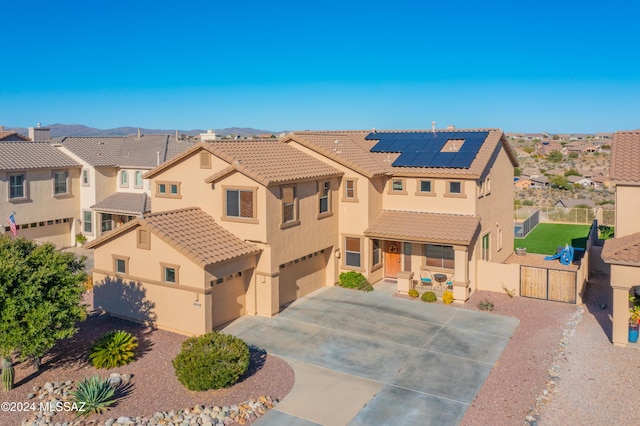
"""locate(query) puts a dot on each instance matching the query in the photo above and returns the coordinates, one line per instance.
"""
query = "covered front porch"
(426, 249)
(120, 208)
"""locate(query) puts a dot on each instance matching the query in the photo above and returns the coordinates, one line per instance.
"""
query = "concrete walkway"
(371, 358)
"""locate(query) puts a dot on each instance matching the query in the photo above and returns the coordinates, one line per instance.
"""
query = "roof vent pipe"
(433, 127)
(157, 158)
(139, 133)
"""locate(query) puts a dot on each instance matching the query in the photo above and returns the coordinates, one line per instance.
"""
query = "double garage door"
(303, 277)
(229, 299)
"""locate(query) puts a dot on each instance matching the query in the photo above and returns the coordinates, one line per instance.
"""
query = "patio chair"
(449, 282)
(426, 279)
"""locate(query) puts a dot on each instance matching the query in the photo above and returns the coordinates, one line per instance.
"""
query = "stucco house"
(623, 251)
(40, 186)
(305, 208)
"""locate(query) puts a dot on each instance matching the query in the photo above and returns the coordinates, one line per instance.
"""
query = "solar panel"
(424, 149)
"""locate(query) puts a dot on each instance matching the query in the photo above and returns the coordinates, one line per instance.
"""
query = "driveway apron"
(372, 358)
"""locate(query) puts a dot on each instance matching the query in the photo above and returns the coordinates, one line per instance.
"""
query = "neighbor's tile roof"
(622, 250)
(625, 157)
(126, 151)
(351, 149)
(32, 155)
(424, 227)
(191, 232)
(12, 136)
(125, 202)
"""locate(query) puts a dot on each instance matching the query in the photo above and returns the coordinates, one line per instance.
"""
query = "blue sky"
(561, 66)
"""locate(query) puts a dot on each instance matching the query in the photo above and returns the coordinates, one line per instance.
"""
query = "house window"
(85, 177)
(124, 179)
(205, 160)
(106, 222)
(325, 192)
(143, 239)
(486, 249)
(376, 259)
(407, 249)
(425, 186)
(240, 203)
(487, 186)
(350, 193)
(352, 252)
(455, 187)
(289, 201)
(120, 264)
(17, 186)
(169, 273)
(87, 222)
(499, 238)
(138, 182)
(168, 189)
(439, 256)
(60, 184)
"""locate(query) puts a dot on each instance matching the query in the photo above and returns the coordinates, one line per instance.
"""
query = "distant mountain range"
(58, 130)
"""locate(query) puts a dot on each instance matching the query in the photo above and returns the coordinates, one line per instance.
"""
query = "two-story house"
(291, 214)
(113, 190)
(623, 251)
(40, 187)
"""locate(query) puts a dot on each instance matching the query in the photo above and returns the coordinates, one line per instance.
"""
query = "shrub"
(429, 296)
(353, 279)
(447, 297)
(95, 393)
(211, 361)
(413, 293)
(114, 349)
(485, 305)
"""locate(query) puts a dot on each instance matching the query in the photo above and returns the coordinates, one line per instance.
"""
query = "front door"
(392, 259)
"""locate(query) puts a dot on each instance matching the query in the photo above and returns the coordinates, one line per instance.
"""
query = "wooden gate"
(548, 284)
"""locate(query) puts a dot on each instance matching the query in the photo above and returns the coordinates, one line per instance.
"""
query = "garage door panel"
(229, 300)
(302, 278)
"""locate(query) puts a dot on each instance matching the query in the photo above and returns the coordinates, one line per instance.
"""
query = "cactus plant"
(95, 393)
(7, 374)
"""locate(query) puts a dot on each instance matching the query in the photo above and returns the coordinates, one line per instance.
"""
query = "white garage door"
(229, 299)
(298, 279)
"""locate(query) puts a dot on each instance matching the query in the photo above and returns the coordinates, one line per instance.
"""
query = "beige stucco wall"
(496, 277)
(628, 206)
(440, 202)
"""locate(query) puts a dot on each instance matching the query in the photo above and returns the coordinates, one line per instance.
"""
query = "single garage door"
(303, 277)
(229, 298)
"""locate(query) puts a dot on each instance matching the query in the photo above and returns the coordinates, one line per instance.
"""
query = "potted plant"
(80, 239)
(634, 323)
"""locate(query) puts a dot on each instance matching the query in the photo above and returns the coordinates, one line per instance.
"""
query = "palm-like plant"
(93, 395)
(114, 349)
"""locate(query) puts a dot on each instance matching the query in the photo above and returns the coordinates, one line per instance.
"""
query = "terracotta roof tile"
(622, 250)
(125, 202)
(13, 137)
(424, 227)
(32, 155)
(351, 149)
(192, 232)
(625, 157)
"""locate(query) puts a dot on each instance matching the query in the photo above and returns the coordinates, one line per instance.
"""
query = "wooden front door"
(392, 259)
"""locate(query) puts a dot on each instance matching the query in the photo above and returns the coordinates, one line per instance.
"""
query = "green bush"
(95, 394)
(353, 279)
(211, 361)
(413, 293)
(429, 296)
(485, 305)
(114, 349)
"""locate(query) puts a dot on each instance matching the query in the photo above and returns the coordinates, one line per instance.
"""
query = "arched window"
(124, 178)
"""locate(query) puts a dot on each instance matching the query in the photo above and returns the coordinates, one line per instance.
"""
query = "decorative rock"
(115, 379)
(48, 387)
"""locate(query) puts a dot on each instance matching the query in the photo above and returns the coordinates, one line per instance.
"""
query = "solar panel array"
(424, 149)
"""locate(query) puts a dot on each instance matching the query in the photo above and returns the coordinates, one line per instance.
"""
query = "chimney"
(39, 134)
(139, 134)
(433, 127)
(157, 158)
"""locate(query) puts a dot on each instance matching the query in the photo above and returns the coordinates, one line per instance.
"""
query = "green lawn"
(547, 237)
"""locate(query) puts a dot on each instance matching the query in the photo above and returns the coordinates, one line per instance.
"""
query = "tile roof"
(126, 151)
(625, 157)
(622, 250)
(32, 155)
(268, 161)
(575, 202)
(351, 149)
(192, 232)
(125, 202)
(13, 136)
(424, 227)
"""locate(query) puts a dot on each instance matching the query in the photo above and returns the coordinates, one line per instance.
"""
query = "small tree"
(40, 294)
(554, 156)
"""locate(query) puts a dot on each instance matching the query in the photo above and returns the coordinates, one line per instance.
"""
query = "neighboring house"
(40, 186)
(600, 181)
(539, 181)
(623, 251)
(580, 180)
(547, 147)
(311, 205)
(570, 203)
(521, 183)
(113, 190)
(6, 136)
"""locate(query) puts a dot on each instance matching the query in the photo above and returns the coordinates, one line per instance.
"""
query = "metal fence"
(566, 214)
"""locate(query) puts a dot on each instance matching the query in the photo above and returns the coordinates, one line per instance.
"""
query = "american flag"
(12, 225)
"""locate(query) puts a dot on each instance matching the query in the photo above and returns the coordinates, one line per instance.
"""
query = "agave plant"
(93, 395)
(114, 349)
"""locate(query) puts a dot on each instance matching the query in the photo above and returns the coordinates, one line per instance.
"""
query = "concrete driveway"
(371, 358)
